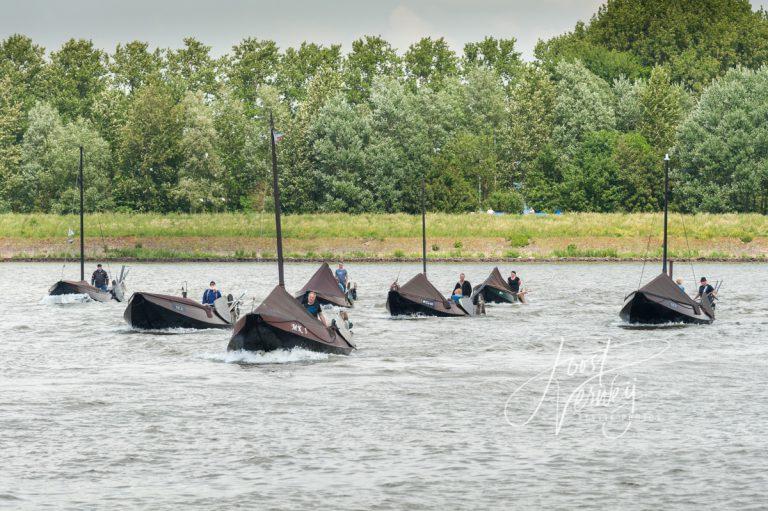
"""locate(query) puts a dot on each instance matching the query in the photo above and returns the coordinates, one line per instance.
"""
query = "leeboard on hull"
(282, 323)
(150, 311)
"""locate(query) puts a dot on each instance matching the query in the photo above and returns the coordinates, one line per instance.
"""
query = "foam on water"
(271, 357)
(64, 299)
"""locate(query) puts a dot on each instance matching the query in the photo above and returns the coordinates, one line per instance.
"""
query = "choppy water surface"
(427, 414)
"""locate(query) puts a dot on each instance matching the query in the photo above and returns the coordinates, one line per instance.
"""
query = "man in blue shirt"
(211, 294)
(341, 276)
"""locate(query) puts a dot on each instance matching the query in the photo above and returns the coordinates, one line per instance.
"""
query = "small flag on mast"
(278, 136)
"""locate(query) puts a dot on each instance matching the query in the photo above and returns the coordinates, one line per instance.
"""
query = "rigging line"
(645, 260)
(688, 246)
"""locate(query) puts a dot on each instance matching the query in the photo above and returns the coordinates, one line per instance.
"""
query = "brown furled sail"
(419, 296)
(282, 323)
(494, 289)
(325, 285)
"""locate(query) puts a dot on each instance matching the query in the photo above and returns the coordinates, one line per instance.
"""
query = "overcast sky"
(221, 23)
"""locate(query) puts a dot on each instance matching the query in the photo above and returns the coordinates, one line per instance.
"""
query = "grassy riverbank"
(385, 237)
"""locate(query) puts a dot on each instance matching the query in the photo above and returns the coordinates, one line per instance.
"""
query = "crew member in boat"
(458, 293)
(211, 294)
(464, 285)
(100, 279)
(342, 277)
(706, 289)
(514, 282)
(516, 285)
(313, 307)
(679, 283)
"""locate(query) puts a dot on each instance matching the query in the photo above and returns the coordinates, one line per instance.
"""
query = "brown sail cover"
(419, 287)
(664, 287)
(496, 281)
(324, 283)
(282, 311)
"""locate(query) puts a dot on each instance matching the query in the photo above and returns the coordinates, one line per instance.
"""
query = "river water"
(547, 405)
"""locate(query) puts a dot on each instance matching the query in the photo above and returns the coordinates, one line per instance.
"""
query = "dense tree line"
(582, 128)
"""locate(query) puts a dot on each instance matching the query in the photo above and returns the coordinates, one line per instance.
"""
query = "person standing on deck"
(99, 279)
(514, 282)
(211, 294)
(706, 289)
(342, 277)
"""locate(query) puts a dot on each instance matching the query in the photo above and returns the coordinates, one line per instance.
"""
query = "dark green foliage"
(584, 128)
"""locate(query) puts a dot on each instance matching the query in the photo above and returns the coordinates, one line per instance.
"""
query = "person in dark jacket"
(211, 294)
(514, 282)
(466, 287)
(706, 289)
(100, 279)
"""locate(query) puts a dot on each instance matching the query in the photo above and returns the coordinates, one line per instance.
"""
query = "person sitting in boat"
(211, 294)
(99, 279)
(313, 307)
(458, 294)
(679, 283)
(464, 286)
(706, 289)
(342, 277)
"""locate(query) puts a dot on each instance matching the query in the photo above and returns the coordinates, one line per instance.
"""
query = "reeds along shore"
(478, 236)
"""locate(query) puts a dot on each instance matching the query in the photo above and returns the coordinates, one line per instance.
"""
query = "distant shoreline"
(471, 237)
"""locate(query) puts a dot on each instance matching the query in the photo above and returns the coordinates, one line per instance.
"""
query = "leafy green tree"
(133, 65)
(532, 120)
(699, 39)
(299, 67)
(371, 56)
(150, 153)
(192, 68)
(10, 150)
(76, 75)
(23, 63)
(254, 63)
(722, 146)
(661, 111)
(497, 54)
(339, 136)
(47, 180)
(584, 104)
(430, 62)
(242, 148)
(628, 107)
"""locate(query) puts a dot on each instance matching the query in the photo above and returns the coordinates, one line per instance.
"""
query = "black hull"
(65, 287)
(146, 315)
(258, 335)
(398, 305)
(640, 309)
(491, 295)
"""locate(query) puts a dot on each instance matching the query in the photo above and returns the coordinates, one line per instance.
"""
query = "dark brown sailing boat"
(151, 311)
(494, 290)
(418, 297)
(326, 287)
(661, 300)
(81, 287)
(281, 322)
